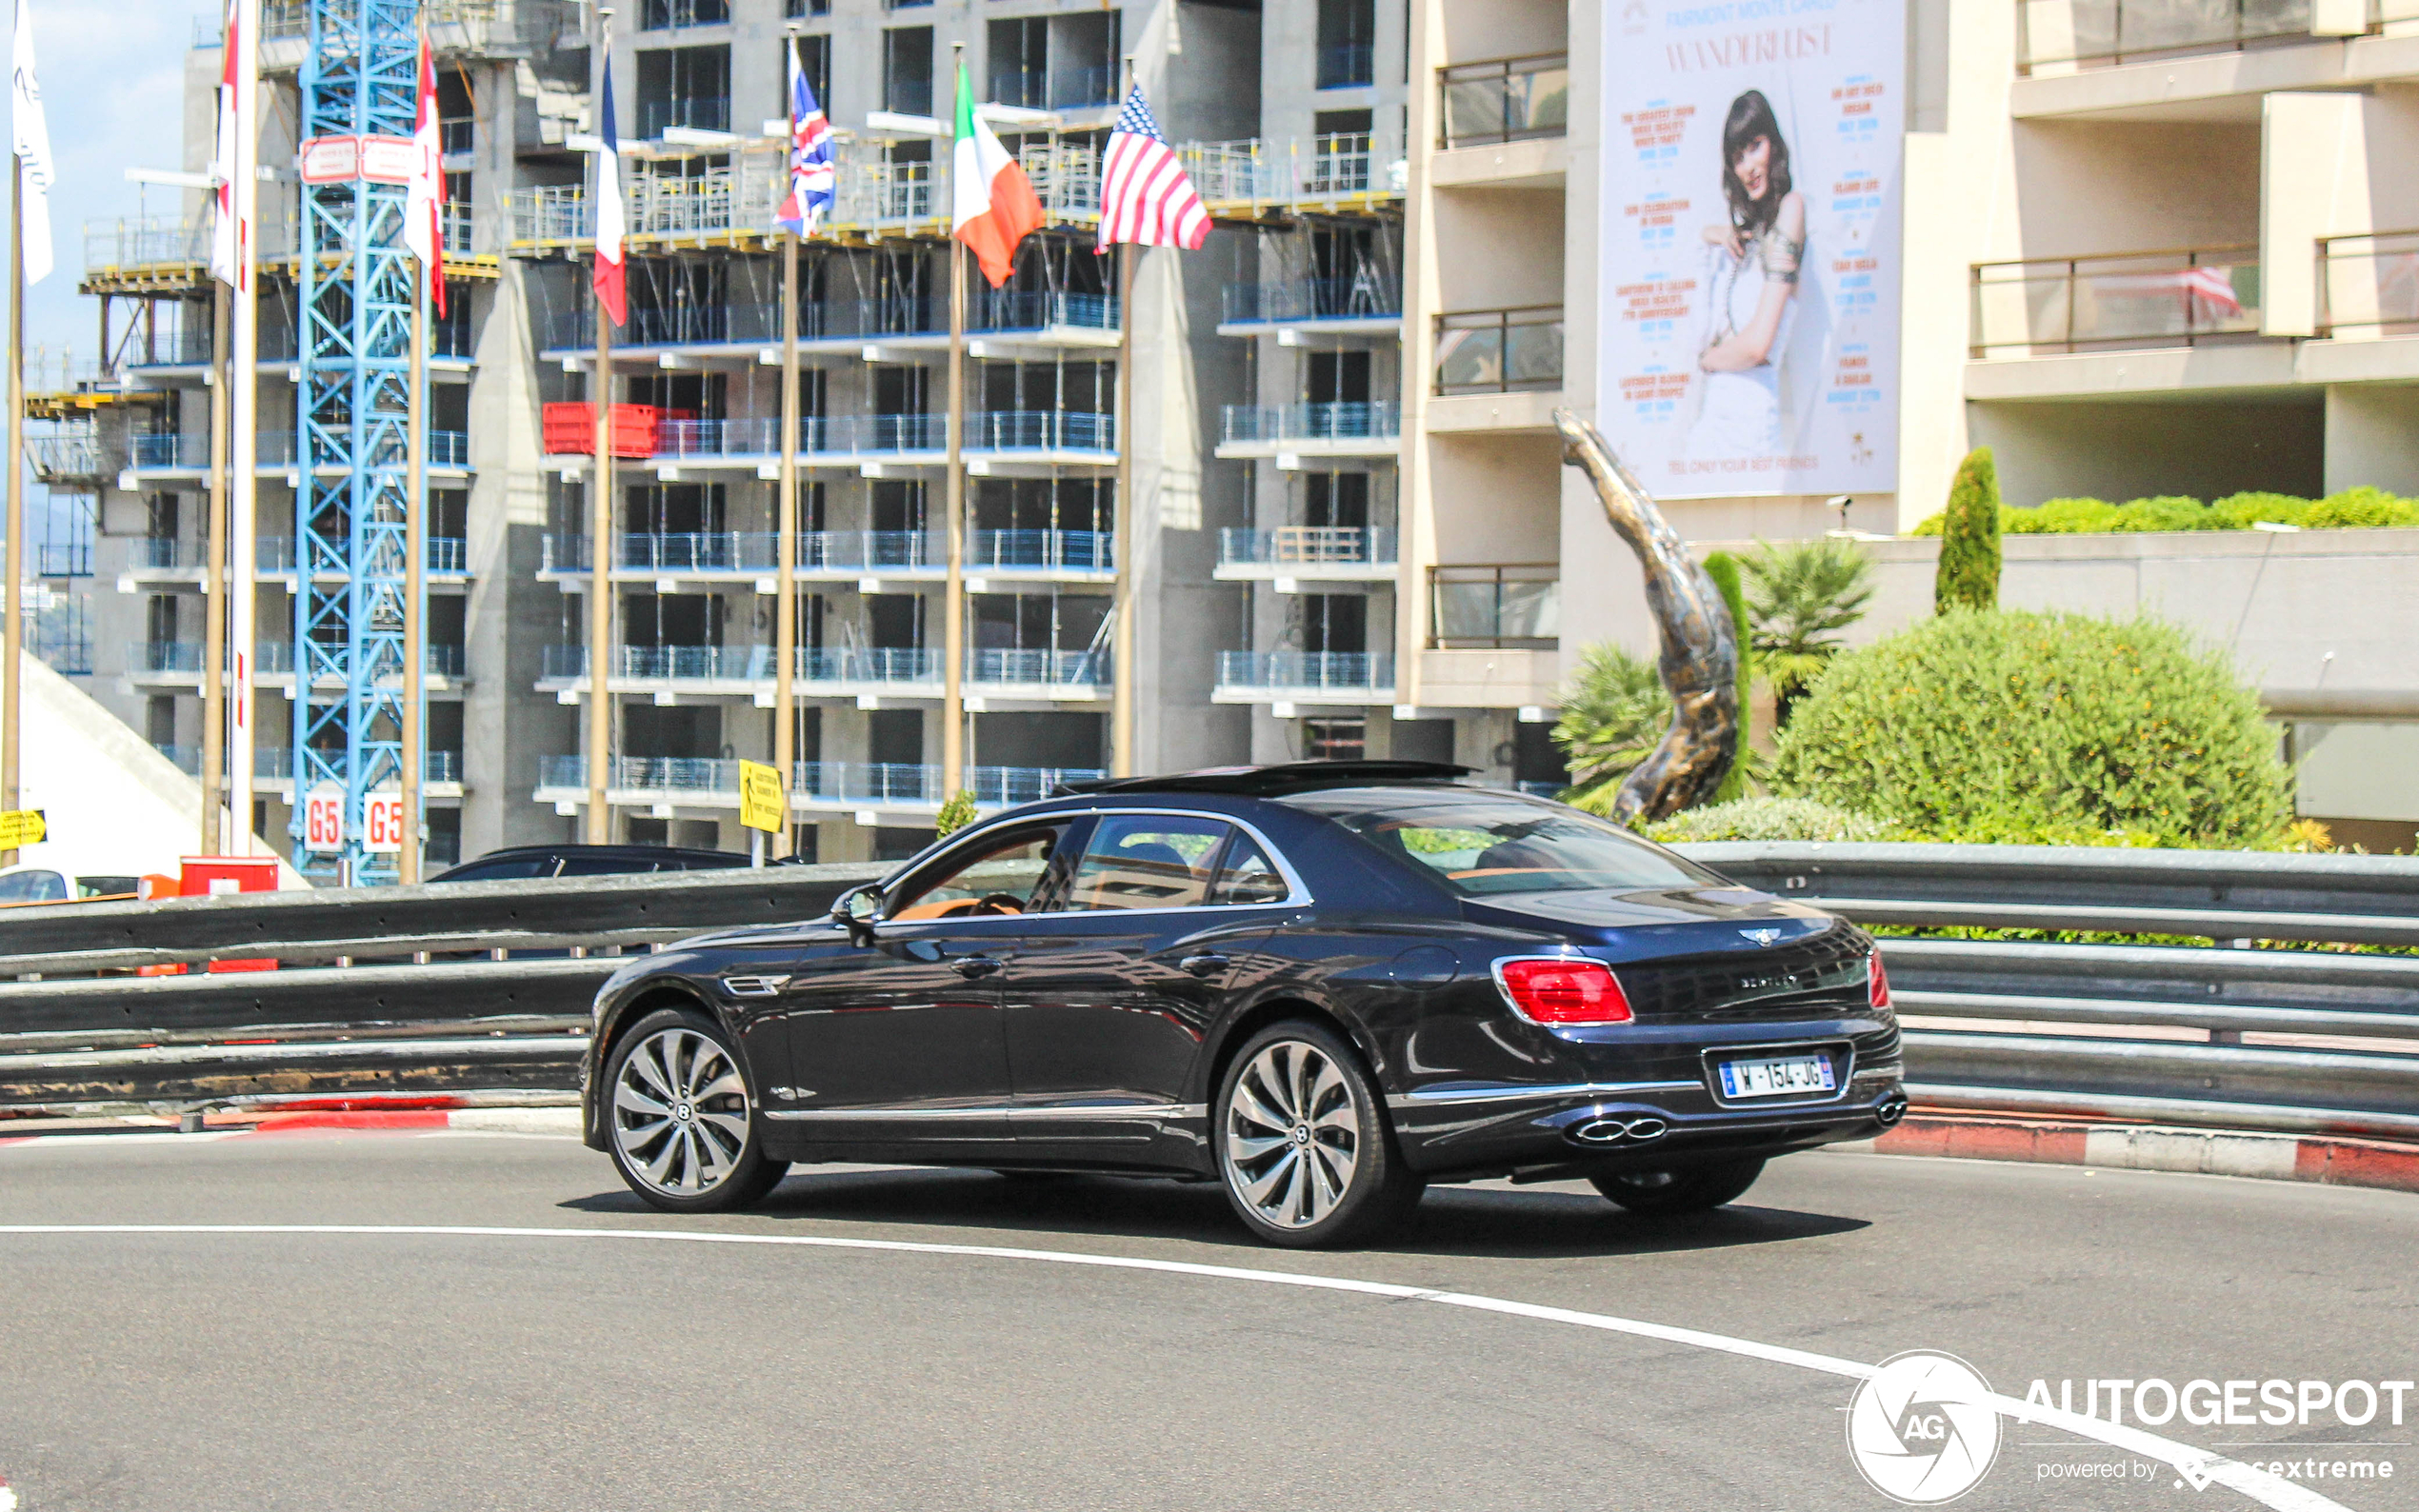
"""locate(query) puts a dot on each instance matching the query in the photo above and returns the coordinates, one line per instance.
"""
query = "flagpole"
(415, 584)
(215, 592)
(242, 443)
(953, 598)
(785, 612)
(1121, 638)
(599, 826)
(13, 617)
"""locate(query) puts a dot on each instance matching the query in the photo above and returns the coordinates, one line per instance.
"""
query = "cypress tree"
(1723, 568)
(1967, 577)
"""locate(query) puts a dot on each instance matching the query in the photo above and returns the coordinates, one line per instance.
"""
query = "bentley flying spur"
(1323, 985)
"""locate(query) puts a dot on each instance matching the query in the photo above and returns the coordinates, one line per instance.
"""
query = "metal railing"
(989, 666)
(2063, 34)
(1515, 606)
(1280, 671)
(67, 456)
(861, 435)
(276, 659)
(63, 559)
(1258, 172)
(829, 782)
(753, 553)
(988, 312)
(279, 449)
(276, 763)
(2123, 299)
(1305, 545)
(1313, 299)
(2368, 284)
(1371, 420)
(1493, 351)
(1502, 100)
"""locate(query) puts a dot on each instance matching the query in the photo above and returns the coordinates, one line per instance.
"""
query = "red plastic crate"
(570, 429)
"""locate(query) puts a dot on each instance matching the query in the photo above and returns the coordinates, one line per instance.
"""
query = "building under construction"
(1260, 447)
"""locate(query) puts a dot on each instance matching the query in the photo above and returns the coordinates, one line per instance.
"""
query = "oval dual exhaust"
(1620, 1130)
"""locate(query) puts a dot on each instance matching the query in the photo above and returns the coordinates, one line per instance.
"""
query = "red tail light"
(1876, 981)
(1555, 990)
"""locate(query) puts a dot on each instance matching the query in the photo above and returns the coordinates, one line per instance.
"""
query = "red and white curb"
(547, 1122)
(2328, 1159)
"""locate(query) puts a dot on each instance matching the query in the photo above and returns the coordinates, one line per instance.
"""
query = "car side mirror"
(858, 910)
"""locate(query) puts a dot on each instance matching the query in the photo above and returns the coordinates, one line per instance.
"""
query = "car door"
(899, 1041)
(1115, 985)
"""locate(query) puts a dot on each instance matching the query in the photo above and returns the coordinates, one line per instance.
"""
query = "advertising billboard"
(1751, 245)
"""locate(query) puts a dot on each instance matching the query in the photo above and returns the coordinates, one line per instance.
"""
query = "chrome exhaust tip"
(1891, 1111)
(1620, 1130)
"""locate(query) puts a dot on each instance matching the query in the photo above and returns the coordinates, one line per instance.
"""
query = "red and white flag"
(424, 198)
(1146, 196)
(608, 281)
(226, 251)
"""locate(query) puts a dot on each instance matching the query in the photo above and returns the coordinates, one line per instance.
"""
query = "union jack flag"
(812, 177)
(1145, 197)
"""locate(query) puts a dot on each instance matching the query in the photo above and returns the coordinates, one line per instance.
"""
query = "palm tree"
(1800, 595)
(1613, 710)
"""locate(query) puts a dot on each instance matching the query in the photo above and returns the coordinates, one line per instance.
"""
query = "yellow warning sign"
(23, 827)
(763, 803)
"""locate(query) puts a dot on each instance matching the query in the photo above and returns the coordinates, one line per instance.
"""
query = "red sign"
(342, 159)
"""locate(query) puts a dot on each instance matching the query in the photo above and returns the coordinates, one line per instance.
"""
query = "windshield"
(1481, 843)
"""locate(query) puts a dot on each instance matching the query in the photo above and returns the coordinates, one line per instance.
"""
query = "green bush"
(1968, 576)
(2364, 507)
(1768, 818)
(2171, 512)
(2240, 511)
(1724, 570)
(2040, 728)
(1613, 710)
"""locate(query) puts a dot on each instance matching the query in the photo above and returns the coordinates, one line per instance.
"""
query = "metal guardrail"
(434, 988)
(2220, 1035)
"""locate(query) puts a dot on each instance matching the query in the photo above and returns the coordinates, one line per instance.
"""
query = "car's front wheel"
(1690, 1191)
(682, 1123)
(1303, 1142)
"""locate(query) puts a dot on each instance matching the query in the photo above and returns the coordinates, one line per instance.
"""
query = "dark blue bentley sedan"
(1324, 985)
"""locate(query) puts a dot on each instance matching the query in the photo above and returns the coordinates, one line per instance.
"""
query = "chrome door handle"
(971, 967)
(1204, 965)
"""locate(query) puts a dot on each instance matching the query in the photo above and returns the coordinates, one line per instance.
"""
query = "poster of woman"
(1750, 241)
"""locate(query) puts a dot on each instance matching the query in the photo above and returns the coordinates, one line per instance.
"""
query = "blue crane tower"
(352, 415)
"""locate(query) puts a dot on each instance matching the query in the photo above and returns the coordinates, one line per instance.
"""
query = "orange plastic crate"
(570, 429)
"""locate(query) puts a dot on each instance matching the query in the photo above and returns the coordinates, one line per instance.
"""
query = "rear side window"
(1479, 842)
(1147, 861)
(603, 867)
(507, 866)
(1247, 876)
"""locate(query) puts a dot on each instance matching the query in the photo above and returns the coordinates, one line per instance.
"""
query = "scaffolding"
(353, 404)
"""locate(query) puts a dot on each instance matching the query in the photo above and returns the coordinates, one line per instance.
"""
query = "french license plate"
(1777, 1076)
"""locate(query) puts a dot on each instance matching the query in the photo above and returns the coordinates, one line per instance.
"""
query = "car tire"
(1304, 1147)
(680, 1117)
(1695, 1189)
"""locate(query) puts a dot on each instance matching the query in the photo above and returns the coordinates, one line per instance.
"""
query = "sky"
(113, 77)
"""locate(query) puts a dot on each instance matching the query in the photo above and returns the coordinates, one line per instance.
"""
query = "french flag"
(608, 280)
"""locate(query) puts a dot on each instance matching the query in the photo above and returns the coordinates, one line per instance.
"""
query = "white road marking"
(2196, 1466)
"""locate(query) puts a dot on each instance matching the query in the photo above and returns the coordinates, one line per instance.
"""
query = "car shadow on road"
(1491, 1220)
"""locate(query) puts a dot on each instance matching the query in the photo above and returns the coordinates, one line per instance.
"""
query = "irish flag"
(993, 203)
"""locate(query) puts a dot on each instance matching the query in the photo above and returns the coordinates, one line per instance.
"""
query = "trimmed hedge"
(2353, 508)
(2040, 728)
(1966, 576)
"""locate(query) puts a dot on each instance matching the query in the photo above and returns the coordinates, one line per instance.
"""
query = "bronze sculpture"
(1699, 648)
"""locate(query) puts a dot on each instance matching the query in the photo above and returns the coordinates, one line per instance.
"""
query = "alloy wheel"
(680, 1112)
(1292, 1135)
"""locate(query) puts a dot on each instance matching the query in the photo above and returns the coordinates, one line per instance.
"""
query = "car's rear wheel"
(680, 1120)
(1692, 1190)
(1303, 1144)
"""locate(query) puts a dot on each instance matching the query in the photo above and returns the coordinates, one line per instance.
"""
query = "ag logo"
(1921, 1429)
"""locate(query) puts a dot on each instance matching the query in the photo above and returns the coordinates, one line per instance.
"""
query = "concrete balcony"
(879, 557)
(873, 445)
(156, 562)
(1305, 310)
(168, 458)
(178, 665)
(1371, 428)
(875, 677)
(1502, 123)
(1284, 679)
(274, 769)
(999, 324)
(1307, 553)
(869, 790)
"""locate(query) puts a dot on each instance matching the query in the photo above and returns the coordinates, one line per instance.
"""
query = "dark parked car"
(1324, 985)
(587, 861)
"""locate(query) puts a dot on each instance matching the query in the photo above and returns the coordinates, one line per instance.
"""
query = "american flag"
(811, 174)
(1145, 197)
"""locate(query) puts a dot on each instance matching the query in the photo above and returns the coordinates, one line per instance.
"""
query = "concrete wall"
(2205, 448)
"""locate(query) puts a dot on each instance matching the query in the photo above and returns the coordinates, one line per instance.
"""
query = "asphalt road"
(356, 1370)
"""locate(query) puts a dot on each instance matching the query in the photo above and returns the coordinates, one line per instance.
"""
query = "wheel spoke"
(729, 1124)
(644, 1061)
(726, 1083)
(1276, 1082)
(1252, 1108)
(692, 1155)
(716, 1159)
(631, 1099)
(659, 1170)
(1307, 1065)
(1262, 1191)
(1248, 1149)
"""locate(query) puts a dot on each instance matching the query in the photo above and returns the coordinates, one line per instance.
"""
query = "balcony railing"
(65, 559)
(66, 456)
(989, 313)
(1502, 100)
(1515, 606)
(276, 659)
(2064, 34)
(1374, 419)
(1493, 351)
(1314, 299)
(2139, 300)
(1352, 671)
(873, 783)
(276, 763)
(1319, 167)
(1305, 544)
(279, 448)
(2368, 284)
(988, 667)
(755, 552)
(1070, 550)
(858, 435)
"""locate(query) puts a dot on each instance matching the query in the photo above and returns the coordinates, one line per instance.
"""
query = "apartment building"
(1260, 447)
